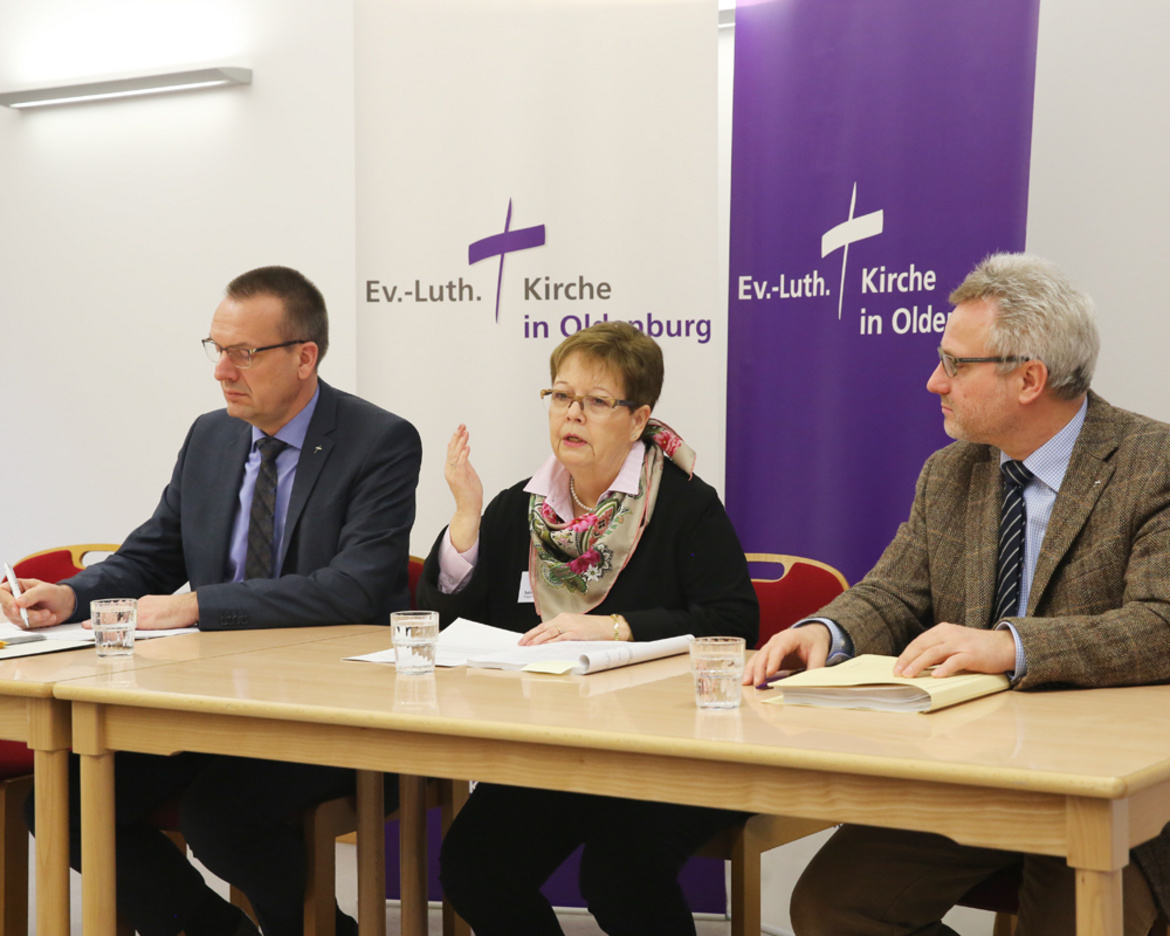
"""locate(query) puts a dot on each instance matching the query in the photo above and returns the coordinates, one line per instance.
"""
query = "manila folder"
(868, 682)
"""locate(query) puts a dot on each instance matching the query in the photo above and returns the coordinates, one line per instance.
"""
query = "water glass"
(415, 634)
(717, 664)
(114, 620)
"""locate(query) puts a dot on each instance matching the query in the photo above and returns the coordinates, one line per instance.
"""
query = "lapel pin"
(318, 448)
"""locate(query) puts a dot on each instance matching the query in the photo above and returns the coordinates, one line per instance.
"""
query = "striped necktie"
(1013, 518)
(260, 520)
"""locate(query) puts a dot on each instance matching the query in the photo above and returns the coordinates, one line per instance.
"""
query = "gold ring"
(454, 463)
(559, 631)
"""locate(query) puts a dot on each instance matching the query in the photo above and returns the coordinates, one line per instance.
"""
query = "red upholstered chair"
(804, 586)
(16, 760)
(62, 562)
(414, 573)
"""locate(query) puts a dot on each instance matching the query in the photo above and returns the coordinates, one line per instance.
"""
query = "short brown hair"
(305, 317)
(622, 349)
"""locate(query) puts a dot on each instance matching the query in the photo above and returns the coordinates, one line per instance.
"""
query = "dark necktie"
(1012, 521)
(260, 520)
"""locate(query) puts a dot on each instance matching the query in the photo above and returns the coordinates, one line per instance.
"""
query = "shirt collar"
(293, 432)
(1050, 462)
(551, 480)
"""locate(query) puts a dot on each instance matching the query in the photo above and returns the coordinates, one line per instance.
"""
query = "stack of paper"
(581, 656)
(868, 682)
(469, 643)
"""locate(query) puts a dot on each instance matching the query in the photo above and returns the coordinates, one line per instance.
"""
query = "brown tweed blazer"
(1099, 608)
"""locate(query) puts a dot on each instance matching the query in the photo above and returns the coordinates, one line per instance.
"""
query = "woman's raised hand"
(466, 488)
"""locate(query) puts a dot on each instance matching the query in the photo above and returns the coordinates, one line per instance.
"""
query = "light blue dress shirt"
(1048, 464)
(293, 435)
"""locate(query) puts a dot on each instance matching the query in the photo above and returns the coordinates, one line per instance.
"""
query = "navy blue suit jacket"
(346, 543)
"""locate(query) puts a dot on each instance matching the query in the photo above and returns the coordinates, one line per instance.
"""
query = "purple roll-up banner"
(879, 151)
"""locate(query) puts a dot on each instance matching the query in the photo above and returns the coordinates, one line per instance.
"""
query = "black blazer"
(688, 574)
(346, 543)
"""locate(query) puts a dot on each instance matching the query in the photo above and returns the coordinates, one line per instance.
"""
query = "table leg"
(1099, 910)
(51, 784)
(99, 912)
(371, 847)
(412, 852)
(1098, 849)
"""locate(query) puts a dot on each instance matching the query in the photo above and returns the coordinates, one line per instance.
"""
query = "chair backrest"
(414, 573)
(53, 565)
(805, 586)
(49, 565)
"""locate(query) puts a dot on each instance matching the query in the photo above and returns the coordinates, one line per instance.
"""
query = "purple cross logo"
(505, 243)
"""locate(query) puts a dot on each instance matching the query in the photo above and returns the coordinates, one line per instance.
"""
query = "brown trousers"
(883, 882)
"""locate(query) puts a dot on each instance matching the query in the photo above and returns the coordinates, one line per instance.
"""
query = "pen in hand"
(15, 585)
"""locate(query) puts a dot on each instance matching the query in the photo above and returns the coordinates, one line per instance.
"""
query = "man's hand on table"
(166, 612)
(795, 648)
(950, 648)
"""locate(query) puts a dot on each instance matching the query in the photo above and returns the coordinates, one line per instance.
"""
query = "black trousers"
(507, 841)
(240, 818)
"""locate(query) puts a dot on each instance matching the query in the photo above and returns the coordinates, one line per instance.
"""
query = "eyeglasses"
(599, 407)
(951, 363)
(241, 357)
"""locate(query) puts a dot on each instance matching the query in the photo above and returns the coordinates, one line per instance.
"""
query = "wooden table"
(1082, 774)
(30, 713)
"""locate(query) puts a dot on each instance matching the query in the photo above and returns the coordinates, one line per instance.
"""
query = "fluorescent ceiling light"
(128, 87)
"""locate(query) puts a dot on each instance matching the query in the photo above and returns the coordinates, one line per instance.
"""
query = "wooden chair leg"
(746, 852)
(14, 855)
(1005, 924)
(320, 831)
(323, 824)
(453, 794)
(238, 898)
(177, 837)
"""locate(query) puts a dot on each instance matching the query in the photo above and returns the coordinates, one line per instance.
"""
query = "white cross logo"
(845, 233)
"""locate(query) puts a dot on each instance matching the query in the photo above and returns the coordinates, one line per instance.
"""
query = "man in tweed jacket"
(1094, 604)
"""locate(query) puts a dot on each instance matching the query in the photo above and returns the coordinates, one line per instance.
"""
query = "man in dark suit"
(292, 507)
(1082, 603)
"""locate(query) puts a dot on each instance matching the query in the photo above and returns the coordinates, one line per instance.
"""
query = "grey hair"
(1040, 314)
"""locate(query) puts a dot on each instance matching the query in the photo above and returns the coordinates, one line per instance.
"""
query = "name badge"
(525, 596)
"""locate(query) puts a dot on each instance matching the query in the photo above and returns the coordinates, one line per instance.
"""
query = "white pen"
(11, 576)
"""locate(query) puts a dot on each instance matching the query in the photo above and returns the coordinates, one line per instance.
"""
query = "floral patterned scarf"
(573, 564)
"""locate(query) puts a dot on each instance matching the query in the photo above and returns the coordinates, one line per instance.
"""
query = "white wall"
(121, 222)
(1100, 186)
